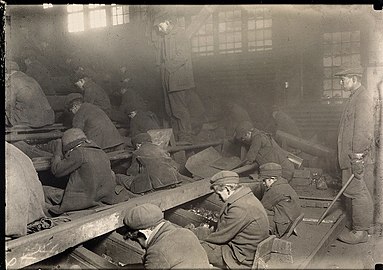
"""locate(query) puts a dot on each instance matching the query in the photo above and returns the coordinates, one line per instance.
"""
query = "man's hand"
(357, 167)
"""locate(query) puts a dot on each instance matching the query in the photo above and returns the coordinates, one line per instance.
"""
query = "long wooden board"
(45, 244)
(44, 163)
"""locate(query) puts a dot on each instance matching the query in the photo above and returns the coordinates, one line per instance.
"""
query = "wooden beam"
(91, 259)
(44, 163)
(11, 137)
(36, 247)
(200, 19)
(304, 145)
(321, 248)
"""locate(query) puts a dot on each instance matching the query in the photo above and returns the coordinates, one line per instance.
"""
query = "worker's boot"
(353, 237)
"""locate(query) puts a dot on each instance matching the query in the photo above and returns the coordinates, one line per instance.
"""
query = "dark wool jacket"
(94, 94)
(242, 225)
(175, 248)
(264, 149)
(97, 126)
(356, 128)
(152, 168)
(283, 203)
(90, 181)
(26, 103)
(142, 122)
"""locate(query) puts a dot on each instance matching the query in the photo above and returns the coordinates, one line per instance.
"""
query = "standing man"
(96, 125)
(167, 246)
(242, 224)
(355, 144)
(174, 55)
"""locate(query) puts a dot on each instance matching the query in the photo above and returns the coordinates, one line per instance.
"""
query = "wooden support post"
(36, 247)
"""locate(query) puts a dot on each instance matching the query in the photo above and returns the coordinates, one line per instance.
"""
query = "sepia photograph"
(231, 136)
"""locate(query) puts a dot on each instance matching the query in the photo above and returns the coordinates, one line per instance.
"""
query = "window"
(339, 49)
(75, 18)
(46, 5)
(230, 31)
(259, 25)
(120, 14)
(97, 15)
(202, 41)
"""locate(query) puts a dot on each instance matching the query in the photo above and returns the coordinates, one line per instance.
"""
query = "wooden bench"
(25, 133)
(272, 249)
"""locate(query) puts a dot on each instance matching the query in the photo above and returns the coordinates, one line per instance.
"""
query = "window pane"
(327, 72)
(327, 61)
(355, 36)
(76, 22)
(97, 18)
(74, 8)
(346, 36)
(327, 84)
(337, 61)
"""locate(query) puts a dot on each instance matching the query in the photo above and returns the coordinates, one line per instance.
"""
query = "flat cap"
(71, 97)
(270, 170)
(242, 129)
(224, 177)
(357, 71)
(141, 138)
(71, 138)
(143, 216)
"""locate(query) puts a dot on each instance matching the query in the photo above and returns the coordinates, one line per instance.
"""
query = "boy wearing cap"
(140, 121)
(25, 101)
(280, 200)
(94, 94)
(242, 224)
(90, 176)
(152, 167)
(96, 125)
(356, 143)
(167, 247)
(263, 148)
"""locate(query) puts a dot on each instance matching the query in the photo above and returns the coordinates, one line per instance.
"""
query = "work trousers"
(361, 202)
(214, 254)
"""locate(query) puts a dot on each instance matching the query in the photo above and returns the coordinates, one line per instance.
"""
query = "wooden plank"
(321, 248)
(33, 136)
(23, 128)
(44, 163)
(120, 250)
(36, 247)
(91, 259)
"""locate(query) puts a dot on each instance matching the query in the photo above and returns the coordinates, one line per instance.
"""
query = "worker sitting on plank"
(242, 224)
(280, 200)
(25, 101)
(24, 196)
(167, 246)
(91, 181)
(152, 167)
(96, 125)
(263, 148)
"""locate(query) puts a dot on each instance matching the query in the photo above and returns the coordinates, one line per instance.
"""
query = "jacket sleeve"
(10, 99)
(233, 223)
(271, 199)
(89, 95)
(254, 148)
(61, 167)
(78, 121)
(181, 55)
(134, 167)
(364, 123)
(156, 260)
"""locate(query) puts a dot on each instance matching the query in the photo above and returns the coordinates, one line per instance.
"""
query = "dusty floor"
(361, 256)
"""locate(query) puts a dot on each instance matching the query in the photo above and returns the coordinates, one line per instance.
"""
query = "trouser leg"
(214, 254)
(361, 202)
(181, 113)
